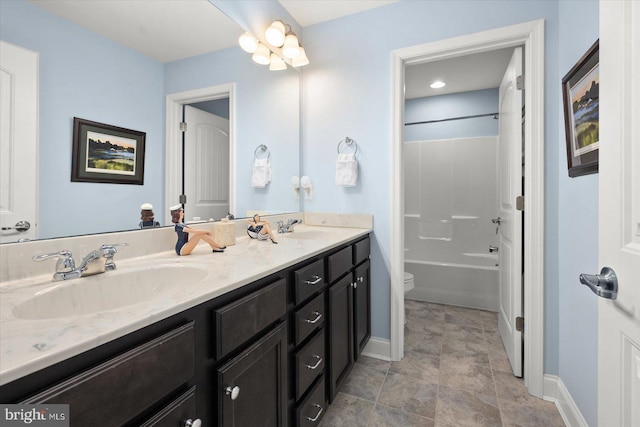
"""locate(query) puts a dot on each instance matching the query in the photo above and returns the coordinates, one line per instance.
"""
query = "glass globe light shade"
(291, 48)
(275, 34)
(262, 55)
(248, 43)
(277, 63)
(300, 60)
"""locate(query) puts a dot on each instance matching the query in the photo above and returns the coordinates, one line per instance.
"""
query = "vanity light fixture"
(248, 43)
(300, 60)
(275, 33)
(262, 55)
(438, 84)
(291, 47)
(277, 63)
(279, 47)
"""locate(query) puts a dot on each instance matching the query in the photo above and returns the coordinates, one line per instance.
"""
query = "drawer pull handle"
(316, 320)
(193, 423)
(317, 363)
(315, 281)
(233, 392)
(314, 419)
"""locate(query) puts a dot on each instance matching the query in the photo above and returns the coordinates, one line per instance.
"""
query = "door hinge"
(520, 203)
(520, 324)
(183, 126)
(520, 82)
(183, 199)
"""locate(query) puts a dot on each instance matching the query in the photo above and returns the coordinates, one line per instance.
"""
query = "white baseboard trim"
(556, 392)
(379, 348)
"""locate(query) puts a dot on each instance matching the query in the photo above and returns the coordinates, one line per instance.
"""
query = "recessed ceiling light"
(438, 84)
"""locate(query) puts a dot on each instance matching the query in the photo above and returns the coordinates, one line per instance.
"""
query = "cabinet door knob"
(315, 281)
(320, 409)
(361, 279)
(317, 363)
(193, 423)
(232, 391)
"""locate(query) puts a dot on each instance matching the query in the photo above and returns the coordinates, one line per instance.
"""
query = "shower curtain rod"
(495, 116)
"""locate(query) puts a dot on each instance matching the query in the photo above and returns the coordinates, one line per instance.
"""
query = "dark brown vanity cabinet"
(308, 344)
(252, 387)
(349, 305)
(270, 353)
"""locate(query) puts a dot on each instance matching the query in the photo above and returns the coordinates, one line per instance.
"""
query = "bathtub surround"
(450, 199)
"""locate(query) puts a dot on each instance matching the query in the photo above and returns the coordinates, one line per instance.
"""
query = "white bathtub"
(473, 284)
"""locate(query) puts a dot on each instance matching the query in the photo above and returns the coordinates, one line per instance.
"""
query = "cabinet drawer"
(361, 251)
(312, 409)
(121, 388)
(340, 263)
(237, 322)
(309, 362)
(177, 412)
(309, 280)
(309, 318)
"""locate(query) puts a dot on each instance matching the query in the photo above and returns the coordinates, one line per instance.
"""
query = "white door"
(206, 155)
(18, 143)
(619, 214)
(509, 188)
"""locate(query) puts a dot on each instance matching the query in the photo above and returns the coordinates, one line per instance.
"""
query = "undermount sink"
(107, 291)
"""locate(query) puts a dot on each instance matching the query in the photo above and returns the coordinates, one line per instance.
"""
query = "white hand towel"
(347, 170)
(261, 173)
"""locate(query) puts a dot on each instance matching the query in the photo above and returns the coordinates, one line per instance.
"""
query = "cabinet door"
(340, 333)
(252, 387)
(362, 308)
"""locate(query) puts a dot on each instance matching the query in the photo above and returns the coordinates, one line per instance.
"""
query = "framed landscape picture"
(581, 100)
(107, 154)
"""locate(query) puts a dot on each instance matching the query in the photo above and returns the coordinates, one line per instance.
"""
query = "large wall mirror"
(107, 79)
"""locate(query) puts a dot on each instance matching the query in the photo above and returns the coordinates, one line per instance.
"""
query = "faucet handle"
(109, 250)
(65, 260)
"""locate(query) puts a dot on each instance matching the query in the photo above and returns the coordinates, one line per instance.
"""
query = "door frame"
(531, 36)
(173, 139)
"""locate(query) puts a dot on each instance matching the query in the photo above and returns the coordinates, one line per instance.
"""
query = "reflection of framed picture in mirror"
(581, 96)
(107, 154)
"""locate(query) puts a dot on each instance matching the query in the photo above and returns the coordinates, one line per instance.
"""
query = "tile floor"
(455, 373)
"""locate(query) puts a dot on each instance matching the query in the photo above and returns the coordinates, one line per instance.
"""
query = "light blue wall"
(578, 234)
(347, 91)
(267, 112)
(88, 76)
(448, 106)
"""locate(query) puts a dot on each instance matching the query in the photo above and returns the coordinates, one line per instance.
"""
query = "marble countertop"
(28, 345)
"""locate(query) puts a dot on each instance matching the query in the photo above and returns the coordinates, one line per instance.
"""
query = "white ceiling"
(462, 74)
(309, 12)
(169, 30)
(165, 30)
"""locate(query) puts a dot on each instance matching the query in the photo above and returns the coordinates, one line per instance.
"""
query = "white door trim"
(173, 138)
(531, 35)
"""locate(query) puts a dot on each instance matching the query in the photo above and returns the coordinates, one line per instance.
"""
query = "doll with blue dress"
(188, 238)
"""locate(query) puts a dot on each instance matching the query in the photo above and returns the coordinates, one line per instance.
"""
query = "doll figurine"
(188, 238)
(147, 216)
(260, 229)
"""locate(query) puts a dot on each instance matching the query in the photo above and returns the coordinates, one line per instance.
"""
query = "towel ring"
(348, 142)
(261, 147)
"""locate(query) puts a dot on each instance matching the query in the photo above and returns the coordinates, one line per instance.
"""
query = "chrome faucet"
(288, 227)
(97, 261)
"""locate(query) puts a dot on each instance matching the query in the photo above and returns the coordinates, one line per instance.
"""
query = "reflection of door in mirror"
(206, 160)
(18, 142)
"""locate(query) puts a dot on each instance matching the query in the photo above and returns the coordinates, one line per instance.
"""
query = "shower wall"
(450, 199)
